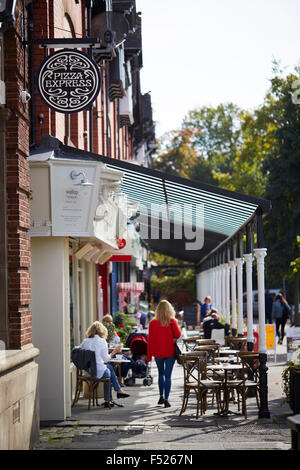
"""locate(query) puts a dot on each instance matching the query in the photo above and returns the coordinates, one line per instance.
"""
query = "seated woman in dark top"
(212, 321)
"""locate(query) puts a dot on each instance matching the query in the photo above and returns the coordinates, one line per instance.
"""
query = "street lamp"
(7, 13)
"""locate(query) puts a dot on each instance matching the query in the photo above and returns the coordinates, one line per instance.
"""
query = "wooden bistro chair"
(203, 342)
(190, 343)
(250, 377)
(211, 349)
(236, 342)
(195, 379)
(92, 386)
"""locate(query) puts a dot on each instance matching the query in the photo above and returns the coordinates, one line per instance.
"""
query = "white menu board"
(73, 205)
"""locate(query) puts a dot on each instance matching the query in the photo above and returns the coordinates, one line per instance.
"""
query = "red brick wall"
(48, 22)
(47, 15)
(18, 185)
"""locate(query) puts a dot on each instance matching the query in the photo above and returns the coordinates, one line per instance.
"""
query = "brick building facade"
(19, 414)
(18, 187)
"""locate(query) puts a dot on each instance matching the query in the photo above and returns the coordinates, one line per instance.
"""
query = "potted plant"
(291, 385)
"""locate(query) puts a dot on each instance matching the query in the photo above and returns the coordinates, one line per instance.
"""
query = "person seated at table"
(205, 307)
(212, 321)
(107, 318)
(95, 341)
(112, 338)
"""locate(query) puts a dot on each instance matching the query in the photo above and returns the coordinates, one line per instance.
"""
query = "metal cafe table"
(226, 359)
(225, 368)
(228, 351)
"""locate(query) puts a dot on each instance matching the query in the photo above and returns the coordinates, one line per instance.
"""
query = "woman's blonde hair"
(96, 328)
(108, 318)
(164, 312)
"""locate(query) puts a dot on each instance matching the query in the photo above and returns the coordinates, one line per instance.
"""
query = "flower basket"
(124, 325)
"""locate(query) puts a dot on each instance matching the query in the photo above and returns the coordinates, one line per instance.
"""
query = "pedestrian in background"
(205, 307)
(197, 304)
(286, 310)
(268, 306)
(143, 309)
(279, 311)
(163, 330)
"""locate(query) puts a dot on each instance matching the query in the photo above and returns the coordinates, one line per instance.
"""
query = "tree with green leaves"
(246, 173)
(256, 153)
(178, 155)
(295, 274)
(283, 179)
(219, 134)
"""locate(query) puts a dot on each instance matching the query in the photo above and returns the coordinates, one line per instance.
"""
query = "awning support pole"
(249, 259)
(233, 297)
(239, 268)
(260, 254)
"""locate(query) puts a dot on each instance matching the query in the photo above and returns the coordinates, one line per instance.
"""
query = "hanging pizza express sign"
(69, 81)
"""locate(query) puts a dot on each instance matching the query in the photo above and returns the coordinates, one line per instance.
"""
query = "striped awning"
(172, 208)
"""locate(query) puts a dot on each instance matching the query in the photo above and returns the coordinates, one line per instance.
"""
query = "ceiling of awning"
(224, 212)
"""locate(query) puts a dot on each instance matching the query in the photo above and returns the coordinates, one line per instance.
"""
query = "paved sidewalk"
(142, 424)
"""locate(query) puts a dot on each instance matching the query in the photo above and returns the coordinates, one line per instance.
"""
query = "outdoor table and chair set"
(226, 373)
(92, 382)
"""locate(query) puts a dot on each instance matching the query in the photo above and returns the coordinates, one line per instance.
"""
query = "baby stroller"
(140, 369)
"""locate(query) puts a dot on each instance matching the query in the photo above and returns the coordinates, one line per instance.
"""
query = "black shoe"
(161, 401)
(122, 395)
(106, 405)
(167, 404)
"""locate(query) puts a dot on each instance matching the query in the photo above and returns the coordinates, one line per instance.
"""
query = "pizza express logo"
(68, 81)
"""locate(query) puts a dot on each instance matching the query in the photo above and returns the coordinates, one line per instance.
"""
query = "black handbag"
(178, 351)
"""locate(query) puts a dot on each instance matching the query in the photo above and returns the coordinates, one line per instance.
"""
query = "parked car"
(255, 301)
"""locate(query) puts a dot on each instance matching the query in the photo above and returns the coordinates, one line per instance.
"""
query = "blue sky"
(206, 52)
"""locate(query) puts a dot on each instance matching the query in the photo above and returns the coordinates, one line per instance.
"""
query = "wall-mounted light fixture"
(135, 216)
(83, 182)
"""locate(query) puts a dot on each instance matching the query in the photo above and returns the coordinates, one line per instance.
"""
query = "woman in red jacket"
(161, 346)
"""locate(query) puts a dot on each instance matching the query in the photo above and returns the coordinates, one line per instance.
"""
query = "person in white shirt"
(96, 341)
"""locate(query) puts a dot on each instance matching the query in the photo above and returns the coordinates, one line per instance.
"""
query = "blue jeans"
(125, 366)
(109, 372)
(165, 367)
